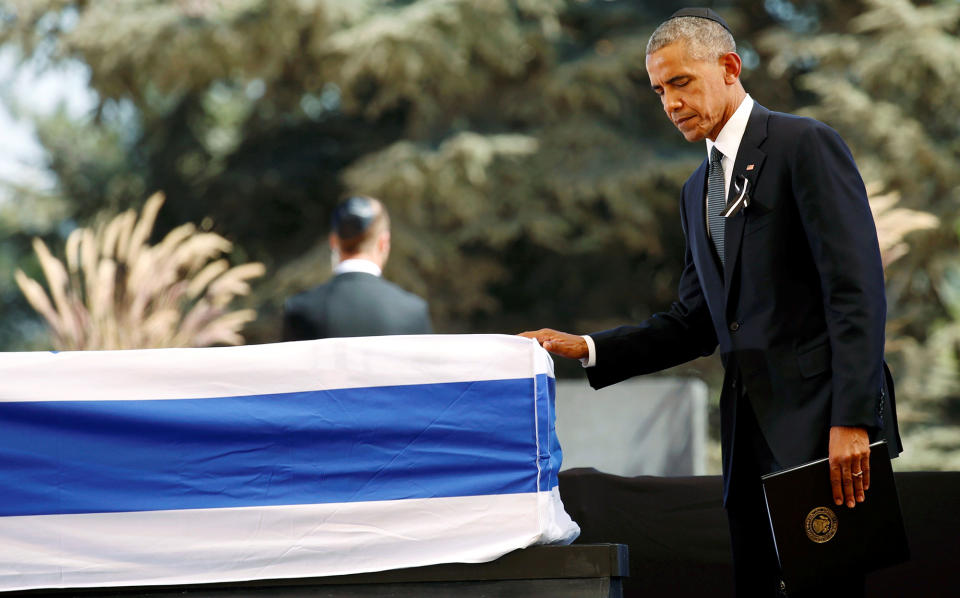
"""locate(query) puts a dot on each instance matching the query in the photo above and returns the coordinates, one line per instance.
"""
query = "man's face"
(696, 94)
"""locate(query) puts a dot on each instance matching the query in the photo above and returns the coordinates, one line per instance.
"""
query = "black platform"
(581, 571)
(679, 543)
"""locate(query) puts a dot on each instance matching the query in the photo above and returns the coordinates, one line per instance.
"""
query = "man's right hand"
(560, 343)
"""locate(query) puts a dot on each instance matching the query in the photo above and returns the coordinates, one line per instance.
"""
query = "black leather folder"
(815, 538)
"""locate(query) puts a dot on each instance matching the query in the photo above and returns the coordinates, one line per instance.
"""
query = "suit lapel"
(698, 209)
(748, 156)
(703, 253)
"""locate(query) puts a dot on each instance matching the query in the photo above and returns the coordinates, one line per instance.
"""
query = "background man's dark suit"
(354, 304)
(356, 301)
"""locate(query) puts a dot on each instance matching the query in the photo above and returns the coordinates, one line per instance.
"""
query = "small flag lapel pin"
(750, 166)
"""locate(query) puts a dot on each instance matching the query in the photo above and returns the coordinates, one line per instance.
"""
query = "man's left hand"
(849, 464)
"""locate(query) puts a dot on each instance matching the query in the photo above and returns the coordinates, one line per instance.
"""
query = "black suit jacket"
(799, 310)
(354, 304)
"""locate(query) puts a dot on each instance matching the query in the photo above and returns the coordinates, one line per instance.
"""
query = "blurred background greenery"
(530, 173)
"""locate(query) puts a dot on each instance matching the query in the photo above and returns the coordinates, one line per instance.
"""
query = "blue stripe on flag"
(551, 456)
(345, 445)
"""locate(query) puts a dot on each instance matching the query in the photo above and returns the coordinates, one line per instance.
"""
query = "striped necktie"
(716, 201)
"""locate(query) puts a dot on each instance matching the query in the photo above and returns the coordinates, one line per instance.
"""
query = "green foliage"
(32, 213)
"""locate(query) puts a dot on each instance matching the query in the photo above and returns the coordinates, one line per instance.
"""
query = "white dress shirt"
(357, 265)
(728, 142)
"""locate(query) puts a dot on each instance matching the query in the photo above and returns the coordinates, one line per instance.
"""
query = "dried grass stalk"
(895, 223)
(119, 292)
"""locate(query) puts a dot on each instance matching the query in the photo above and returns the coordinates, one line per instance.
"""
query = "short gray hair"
(705, 39)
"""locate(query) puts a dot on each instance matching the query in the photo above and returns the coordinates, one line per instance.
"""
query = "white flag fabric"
(304, 459)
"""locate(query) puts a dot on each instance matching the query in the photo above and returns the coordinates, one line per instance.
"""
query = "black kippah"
(353, 216)
(703, 13)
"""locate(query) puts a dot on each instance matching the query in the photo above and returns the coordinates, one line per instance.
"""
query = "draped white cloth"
(329, 457)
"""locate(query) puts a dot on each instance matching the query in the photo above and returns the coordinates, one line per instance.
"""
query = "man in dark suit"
(782, 272)
(357, 301)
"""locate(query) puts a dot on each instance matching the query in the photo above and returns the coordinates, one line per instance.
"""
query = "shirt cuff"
(591, 359)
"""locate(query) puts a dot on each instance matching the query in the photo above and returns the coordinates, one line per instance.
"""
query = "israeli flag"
(329, 457)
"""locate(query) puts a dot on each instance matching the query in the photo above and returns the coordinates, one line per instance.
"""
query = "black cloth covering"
(677, 533)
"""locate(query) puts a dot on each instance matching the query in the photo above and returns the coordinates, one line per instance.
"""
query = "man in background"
(782, 273)
(357, 301)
